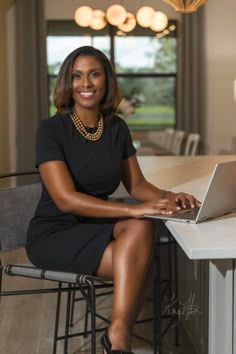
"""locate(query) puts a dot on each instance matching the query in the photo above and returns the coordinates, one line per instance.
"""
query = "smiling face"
(88, 82)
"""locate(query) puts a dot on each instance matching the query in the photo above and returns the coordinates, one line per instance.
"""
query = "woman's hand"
(169, 203)
(156, 206)
(183, 200)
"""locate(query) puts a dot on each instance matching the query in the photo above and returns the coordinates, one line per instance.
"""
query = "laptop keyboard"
(185, 214)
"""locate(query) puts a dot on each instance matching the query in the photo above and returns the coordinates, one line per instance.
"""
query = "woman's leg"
(127, 261)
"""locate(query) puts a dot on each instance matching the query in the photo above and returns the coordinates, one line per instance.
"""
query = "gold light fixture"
(116, 14)
(185, 6)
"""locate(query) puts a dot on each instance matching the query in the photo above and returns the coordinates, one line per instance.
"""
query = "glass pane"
(141, 54)
(59, 47)
(148, 102)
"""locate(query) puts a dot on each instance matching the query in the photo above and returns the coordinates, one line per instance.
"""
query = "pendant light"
(117, 15)
(185, 6)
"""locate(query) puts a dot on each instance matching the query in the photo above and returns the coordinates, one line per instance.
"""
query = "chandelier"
(185, 6)
(117, 15)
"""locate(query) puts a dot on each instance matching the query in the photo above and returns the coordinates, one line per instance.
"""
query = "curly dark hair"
(62, 94)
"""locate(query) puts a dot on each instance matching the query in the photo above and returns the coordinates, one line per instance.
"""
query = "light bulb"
(116, 14)
(160, 21)
(145, 15)
(129, 24)
(98, 21)
(83, 16)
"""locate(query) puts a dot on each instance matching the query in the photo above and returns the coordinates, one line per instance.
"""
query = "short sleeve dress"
(61, 241)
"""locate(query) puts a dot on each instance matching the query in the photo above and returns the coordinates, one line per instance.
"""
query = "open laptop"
(219, 199)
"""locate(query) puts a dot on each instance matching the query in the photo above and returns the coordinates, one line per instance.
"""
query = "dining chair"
(18, 204)
(166, 140)
(169, 135)
(177, 142)
(160, 142)
(191, 144)
(145, 151)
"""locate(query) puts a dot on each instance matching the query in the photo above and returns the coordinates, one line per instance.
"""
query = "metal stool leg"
(86, 320)
(67, 325)
(58, 307)
(72, 309)
(93, 316)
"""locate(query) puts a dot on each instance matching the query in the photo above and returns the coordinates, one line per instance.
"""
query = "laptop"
(219, 199)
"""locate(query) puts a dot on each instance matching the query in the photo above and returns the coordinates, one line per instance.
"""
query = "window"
(145, 64)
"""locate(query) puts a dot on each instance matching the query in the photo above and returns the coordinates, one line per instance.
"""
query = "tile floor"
(82, 345)
(27, 322)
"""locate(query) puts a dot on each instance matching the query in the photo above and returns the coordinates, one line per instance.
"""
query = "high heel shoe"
(106, 344)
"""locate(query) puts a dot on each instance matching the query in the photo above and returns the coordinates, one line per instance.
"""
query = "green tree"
(166, 57)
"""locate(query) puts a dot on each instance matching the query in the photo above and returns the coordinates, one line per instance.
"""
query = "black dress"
(61, 241)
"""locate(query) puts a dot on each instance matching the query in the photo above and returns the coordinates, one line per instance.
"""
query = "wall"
(4, 99)
(220, 73)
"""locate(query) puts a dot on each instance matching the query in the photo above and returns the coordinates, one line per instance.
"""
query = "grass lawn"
(147, 117)
(152, 117)
(155, 110)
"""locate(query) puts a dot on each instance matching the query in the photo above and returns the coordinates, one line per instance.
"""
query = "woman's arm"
(60, 186)
(136, 184)
(140, 189)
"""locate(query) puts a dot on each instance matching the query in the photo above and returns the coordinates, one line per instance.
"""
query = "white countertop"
(213, 239)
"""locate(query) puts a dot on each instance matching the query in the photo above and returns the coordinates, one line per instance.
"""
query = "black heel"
(106, 346)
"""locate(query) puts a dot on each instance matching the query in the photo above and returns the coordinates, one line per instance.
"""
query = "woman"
(83, 153)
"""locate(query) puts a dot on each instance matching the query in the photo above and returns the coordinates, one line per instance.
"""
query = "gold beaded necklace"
(81, 127)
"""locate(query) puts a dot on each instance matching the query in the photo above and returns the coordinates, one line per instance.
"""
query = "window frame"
(70, 28)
